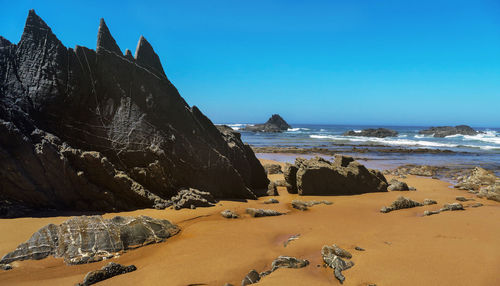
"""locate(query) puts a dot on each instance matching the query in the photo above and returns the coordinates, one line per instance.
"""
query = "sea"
(479, 150)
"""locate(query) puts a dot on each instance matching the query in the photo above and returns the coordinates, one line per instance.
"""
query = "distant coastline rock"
(86, 239)
(443, 131)
(275, 124)
(113, 124)
(343, 176)
(370, 132)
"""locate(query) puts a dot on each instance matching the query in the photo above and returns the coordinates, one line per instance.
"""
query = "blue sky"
(339, 62)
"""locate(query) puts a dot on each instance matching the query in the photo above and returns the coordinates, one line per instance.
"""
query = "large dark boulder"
(370, 132)
(102, 131)
(343, 176)
(275, 124)
(86, 239)
(443, 131)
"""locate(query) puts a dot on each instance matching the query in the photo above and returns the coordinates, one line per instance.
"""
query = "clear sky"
(339, 62)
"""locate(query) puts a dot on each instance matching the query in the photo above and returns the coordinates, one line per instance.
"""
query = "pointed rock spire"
(128, 54)
(105, 40)
(35, 27)
(146, 57)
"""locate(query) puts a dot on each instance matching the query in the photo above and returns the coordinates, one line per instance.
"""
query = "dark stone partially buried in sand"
(343, 176)
(108, 271)
(262, 212)
(88, 239)
(395, 185)
(335, 261)
(401, 203)
(305, 205)
(280, 262)
(370, 132)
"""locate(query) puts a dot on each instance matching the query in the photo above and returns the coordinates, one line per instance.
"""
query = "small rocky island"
(443, 131)
(371, 132)
(275, 124)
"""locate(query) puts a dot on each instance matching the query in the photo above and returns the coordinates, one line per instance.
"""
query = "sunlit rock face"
(105, 131)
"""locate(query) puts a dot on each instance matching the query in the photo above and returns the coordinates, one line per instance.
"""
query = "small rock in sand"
(108, 271)
(288, 262)
(251, 278)
(304, 205)
(401, 203)
(476, 205)
(5, 266)
(462, 199)
(192, 198)
(262, 212)
(271, 201)
(290, 239)
(359, 248)
(452, 207)
(229, 214)
(428, 202)
(336, 262)
(396, 185)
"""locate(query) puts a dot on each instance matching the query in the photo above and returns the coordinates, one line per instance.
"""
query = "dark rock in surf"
(274, 124)
(443, 131)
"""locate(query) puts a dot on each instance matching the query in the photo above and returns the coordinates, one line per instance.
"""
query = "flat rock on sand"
(87, 239)
(262, 212)
(108, 271)
(401, 203)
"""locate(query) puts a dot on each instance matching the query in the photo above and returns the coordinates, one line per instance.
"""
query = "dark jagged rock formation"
(370, 132)
(443, 131)
(102, 131)
(274, 124)
(344, 176)
(108, 271)
(88, 239)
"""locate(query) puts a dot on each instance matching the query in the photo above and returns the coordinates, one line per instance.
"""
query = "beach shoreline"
(402, 247)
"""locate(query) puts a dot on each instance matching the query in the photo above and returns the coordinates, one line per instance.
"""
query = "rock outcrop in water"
(371, 132)
(343, 176)
(443, 131)
(103, 131)
(274, 124)
(88, 239)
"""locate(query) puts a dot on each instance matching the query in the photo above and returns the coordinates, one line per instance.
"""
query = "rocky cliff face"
(100, 130)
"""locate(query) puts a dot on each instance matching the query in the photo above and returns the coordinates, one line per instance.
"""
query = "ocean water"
(482, 149)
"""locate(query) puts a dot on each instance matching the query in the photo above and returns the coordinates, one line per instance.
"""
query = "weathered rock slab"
(108, 271)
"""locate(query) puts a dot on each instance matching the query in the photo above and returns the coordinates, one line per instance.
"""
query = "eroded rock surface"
(192, 198)
(305, 205)
(401, 203)
(87, 239)
(395, 185)
(262, 212)
(113, 124)
(108, 271)
(332, 260)
(343, 176)
(273, 169)
(281, 262)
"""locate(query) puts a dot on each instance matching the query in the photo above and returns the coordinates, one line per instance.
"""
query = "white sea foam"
(387, 141)
(237, 126)
(297, 129)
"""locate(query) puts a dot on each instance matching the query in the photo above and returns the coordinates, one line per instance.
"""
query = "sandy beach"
(402, 247)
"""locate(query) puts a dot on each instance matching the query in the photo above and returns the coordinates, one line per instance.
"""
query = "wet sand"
(402, 247)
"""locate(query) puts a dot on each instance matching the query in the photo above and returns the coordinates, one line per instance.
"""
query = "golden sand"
(402, 247)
